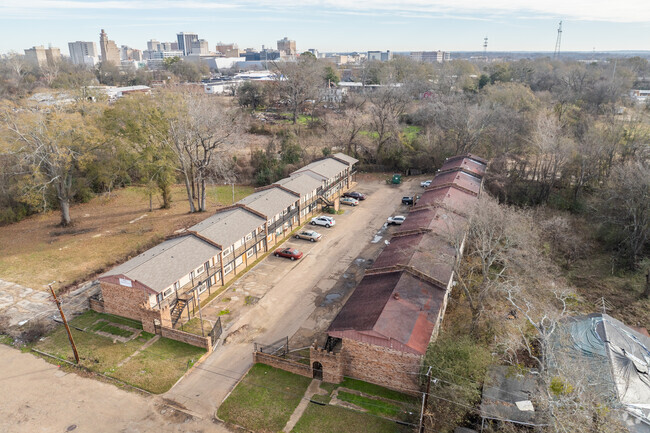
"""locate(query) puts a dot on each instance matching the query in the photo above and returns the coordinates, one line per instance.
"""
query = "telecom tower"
(556, 53)
(485, 48)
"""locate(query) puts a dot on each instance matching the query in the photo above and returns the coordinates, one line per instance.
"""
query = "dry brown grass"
(37, 251)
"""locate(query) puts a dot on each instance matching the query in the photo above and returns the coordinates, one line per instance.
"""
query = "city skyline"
(333, 25)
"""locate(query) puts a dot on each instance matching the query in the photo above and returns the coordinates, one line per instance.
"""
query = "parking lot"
(279, 297)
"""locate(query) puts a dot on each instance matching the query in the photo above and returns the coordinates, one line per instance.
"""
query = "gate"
(277, 348)
(216, 331)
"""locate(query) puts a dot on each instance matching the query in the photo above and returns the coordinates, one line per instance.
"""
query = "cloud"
(637, 11)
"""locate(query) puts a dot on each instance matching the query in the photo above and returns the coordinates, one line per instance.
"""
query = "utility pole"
(556, 53)
(65, 323)
(425, 398)
(485, 44)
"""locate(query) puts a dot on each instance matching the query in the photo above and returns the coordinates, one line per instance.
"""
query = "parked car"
(323, 221)
(289, 253)
(410, 200)
(354, 194)
(349, 201)
(426, 183)
(309, 235)
(397, 220)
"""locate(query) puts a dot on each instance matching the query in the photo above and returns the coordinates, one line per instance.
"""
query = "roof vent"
(396, 296)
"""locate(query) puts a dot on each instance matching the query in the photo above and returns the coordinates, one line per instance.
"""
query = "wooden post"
(425, 398)
(65, 323)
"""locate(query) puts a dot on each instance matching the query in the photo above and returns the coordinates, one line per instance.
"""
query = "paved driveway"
(289, 292)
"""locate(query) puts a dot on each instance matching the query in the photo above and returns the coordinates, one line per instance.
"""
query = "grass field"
(107, 230)
(264, 399)
(328, 419)
(156, 368)
(160, 365)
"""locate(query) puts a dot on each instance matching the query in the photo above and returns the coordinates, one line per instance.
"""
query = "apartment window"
(200, 269)
(278, 231)
(271, 220)
(250, 252)
(270, 238)
(239, 260)
(202, 288)
(249, 236)
(167, 292)
(217, 276)
(227, 251)
(227, 269)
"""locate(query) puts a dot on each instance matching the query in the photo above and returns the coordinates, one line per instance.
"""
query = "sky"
(334, 25)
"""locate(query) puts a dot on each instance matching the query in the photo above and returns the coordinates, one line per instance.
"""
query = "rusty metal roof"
(392, 307)
(398, 302)
(459, 178)
(468, 164)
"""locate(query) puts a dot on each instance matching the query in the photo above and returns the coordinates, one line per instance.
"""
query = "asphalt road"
(290, 299)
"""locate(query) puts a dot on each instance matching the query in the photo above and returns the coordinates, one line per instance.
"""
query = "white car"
(426, 183)
(323, 221)
(397, 220)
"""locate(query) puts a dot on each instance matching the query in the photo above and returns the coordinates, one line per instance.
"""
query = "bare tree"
(387, 105)
(200, 135)
(625, 208)
(298, 83)
(499, 239)
(50, 146)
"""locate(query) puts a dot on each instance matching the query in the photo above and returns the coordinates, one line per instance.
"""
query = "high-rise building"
(110, 51)
(41, 56)
(430, 56)
(153, 45)
(380, 56)
(185, 42)
(200, 47)
(36, 56)
(83, 53)
(287, 47)
(228, 50)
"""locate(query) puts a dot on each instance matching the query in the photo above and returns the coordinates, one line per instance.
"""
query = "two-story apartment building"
(160, 283)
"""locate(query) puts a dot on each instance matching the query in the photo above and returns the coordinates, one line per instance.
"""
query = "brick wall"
(283, 364)
(149, 315)
(332, 363)
(96, 305)
(381, 365)
(123, 301)
(186, 337)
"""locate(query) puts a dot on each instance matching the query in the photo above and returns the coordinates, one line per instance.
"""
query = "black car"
(410, 200)
(355, 194)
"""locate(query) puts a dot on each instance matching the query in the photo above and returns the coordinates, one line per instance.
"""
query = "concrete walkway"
(19, 304)
(144, 346)
(313, 388)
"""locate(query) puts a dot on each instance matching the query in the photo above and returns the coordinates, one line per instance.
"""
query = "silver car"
(309, 235)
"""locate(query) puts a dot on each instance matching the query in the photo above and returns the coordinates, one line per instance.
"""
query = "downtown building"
(83, 53)
(110, 51)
